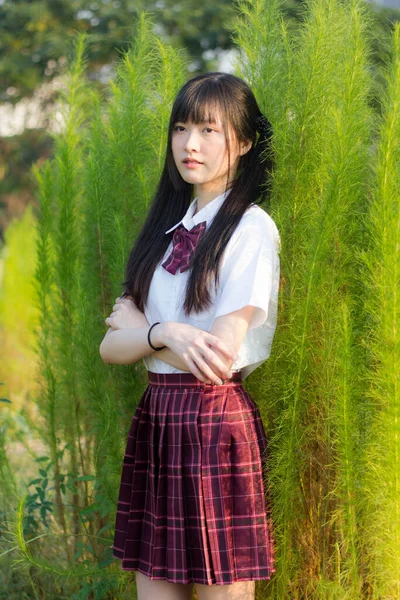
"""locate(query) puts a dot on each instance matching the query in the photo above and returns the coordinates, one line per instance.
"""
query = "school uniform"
(193, 505)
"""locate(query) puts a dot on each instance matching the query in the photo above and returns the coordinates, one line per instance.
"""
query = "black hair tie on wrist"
(263, 126)
(148, 337)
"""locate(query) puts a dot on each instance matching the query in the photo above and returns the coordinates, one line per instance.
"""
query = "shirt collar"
(207, 213)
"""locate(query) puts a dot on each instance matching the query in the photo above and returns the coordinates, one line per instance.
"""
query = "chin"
(190, 178)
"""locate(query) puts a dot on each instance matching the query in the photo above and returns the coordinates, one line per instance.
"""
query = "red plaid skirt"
(193, 503)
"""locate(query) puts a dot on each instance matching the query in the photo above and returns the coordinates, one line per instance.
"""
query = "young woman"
(200, 307)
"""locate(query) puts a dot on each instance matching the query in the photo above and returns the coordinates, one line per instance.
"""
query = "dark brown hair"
(195, 102)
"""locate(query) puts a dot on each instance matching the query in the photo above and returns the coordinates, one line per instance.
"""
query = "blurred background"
(35, 37)
(36, 46)
(36, 42)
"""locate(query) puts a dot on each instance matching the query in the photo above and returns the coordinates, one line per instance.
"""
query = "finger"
(196, 371)
(215, 363)
(207, 370)
(118, 306)
(111, 323)
(215, 341)
(110, 320)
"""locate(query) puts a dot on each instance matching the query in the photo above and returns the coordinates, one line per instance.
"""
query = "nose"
(192, 141)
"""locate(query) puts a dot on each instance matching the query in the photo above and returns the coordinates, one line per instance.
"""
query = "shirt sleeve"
(247, 271)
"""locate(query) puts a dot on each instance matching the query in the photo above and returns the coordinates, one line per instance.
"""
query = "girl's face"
(205, 143)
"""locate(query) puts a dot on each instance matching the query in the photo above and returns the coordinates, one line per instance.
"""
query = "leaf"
(90, 509)
(35, 481)
(86, 478)
(103, 529)
(40, 492)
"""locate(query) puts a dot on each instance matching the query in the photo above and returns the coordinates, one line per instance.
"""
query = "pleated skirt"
(194, 502)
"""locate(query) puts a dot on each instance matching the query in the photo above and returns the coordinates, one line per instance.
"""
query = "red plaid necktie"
(184, 242)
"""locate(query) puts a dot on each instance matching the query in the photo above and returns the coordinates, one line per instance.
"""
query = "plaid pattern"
(184, 244)
(192, 504)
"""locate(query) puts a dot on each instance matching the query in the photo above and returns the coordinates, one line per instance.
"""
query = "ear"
(244, 148)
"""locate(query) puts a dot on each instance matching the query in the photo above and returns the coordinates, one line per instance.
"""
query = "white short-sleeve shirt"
(249, 275)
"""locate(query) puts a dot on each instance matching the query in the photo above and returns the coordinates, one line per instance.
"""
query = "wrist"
(158, 335)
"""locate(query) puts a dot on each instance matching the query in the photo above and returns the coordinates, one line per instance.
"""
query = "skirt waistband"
(185, 379)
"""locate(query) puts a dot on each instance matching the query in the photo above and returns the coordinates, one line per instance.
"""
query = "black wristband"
(148, 337)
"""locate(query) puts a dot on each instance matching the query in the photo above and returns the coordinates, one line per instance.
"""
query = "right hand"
(195, 347)
(126, 315)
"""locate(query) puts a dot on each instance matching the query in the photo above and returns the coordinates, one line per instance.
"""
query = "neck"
(205, 197)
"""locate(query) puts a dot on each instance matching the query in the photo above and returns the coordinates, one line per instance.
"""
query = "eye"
(180, 127)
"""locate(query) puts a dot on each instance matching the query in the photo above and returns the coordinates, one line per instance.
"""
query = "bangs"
(199, 105)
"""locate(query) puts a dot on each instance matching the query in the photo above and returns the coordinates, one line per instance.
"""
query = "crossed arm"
(129, 345)
(230, 328)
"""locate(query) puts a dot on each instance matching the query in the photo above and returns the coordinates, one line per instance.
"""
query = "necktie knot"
(184, 244)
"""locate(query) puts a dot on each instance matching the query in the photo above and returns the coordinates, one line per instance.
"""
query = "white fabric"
(249, 275)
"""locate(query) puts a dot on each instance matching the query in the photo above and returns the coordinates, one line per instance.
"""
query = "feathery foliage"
(93, 197)
(329, 393)
(381, 515)
(311, 387)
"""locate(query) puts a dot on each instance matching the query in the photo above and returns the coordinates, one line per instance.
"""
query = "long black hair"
(194, 102)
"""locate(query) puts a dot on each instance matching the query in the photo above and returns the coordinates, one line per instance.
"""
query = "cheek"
(220, 154)
(219, 148)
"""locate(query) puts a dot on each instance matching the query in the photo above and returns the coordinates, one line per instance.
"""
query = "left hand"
(126, 315)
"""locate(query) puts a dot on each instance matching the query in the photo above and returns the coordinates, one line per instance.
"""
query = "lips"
(191, 160)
